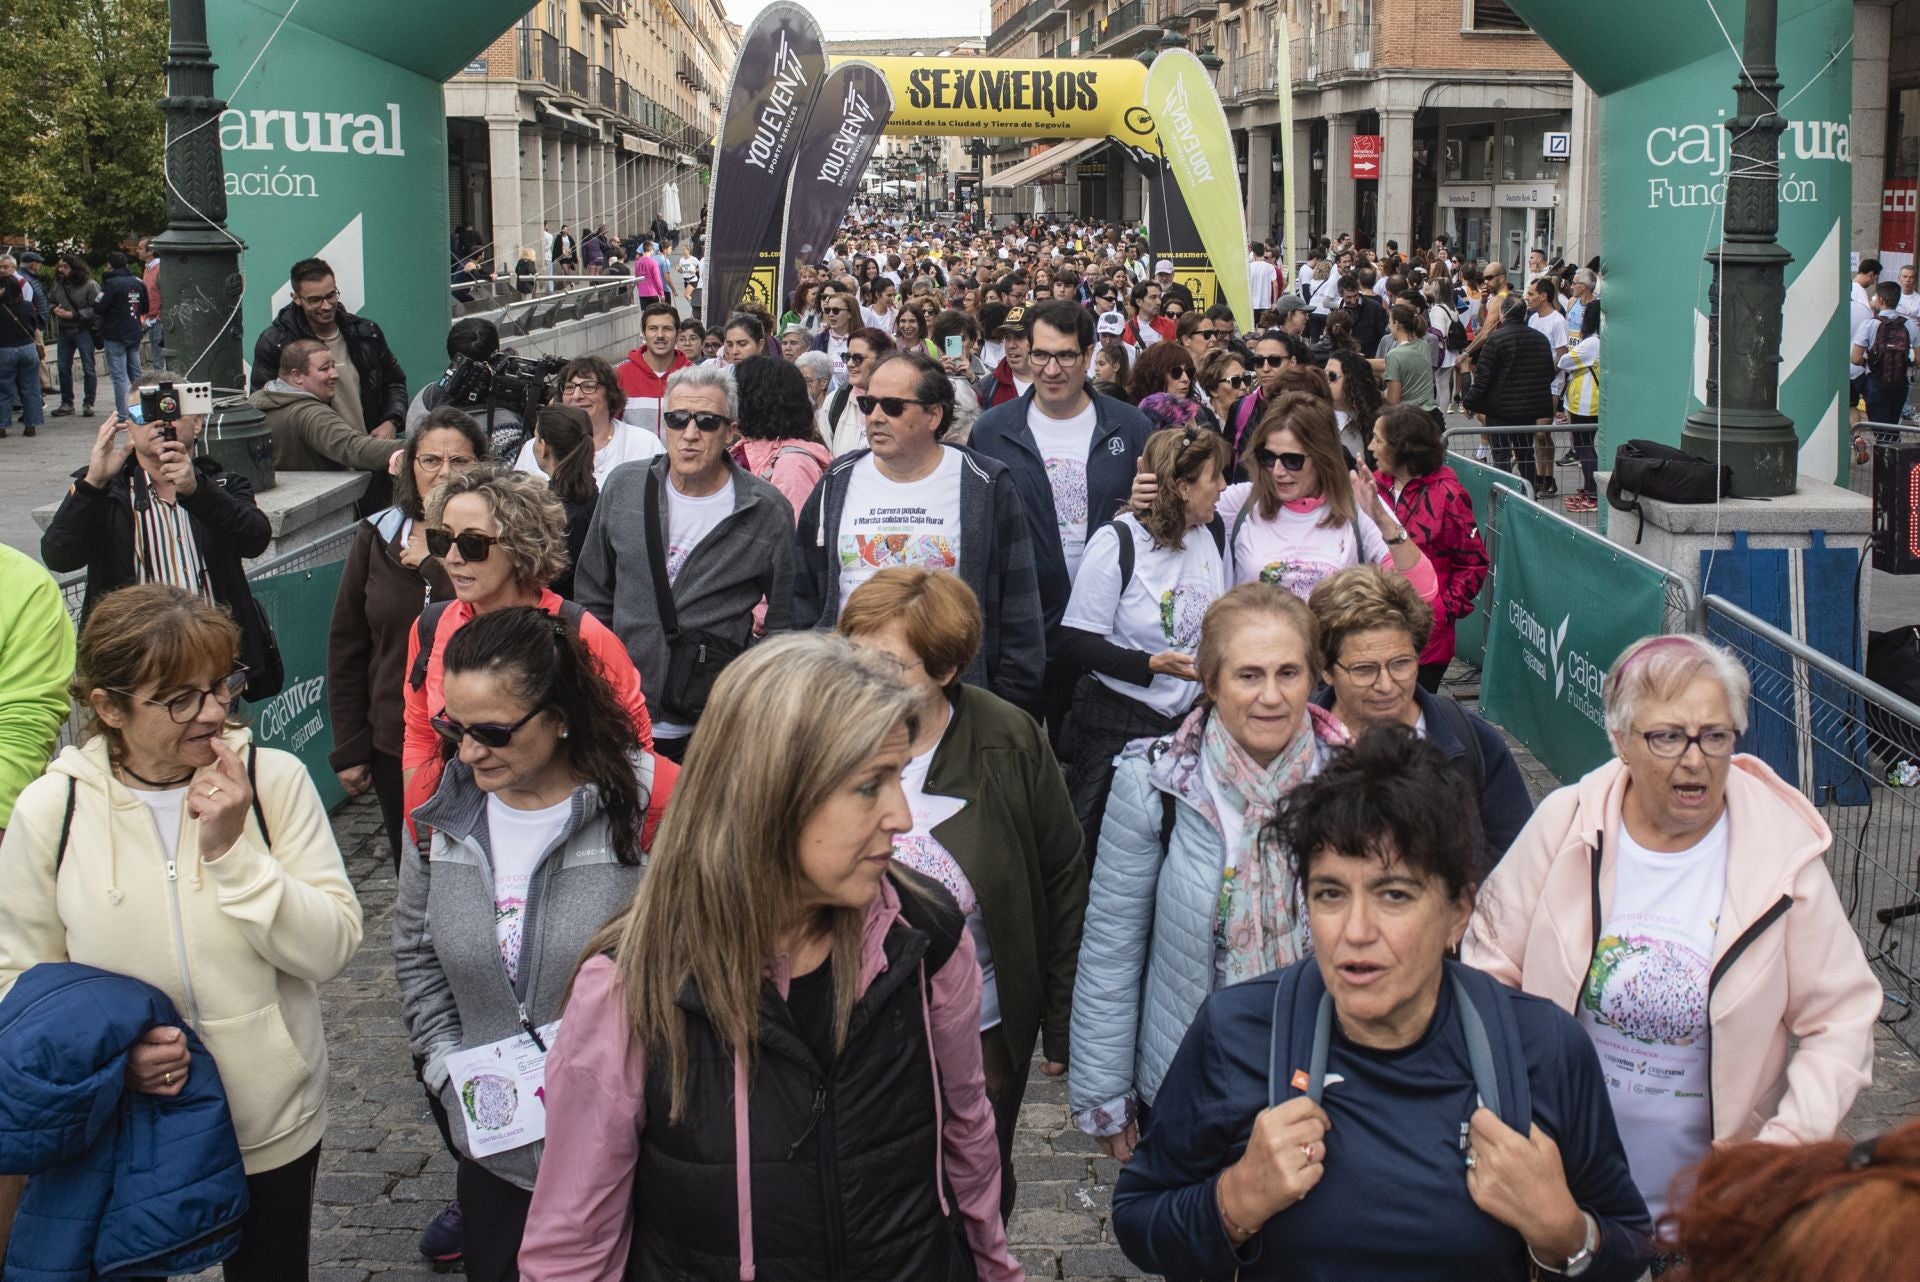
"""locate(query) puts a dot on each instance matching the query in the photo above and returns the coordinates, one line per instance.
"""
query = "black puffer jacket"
(842, 1154)
(1512, 376)
(383, 384)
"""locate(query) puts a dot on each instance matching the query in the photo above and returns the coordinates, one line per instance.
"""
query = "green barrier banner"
(1470, 633)
(1564, 607)
(298, 605)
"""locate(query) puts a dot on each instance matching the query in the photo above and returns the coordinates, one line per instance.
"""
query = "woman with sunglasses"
(168, 848)
(1163, 368)
(1356, 401)
(538, 826)
(840, 321)
(1133, 622)
(1273, 353)
(389, 574)
(842, 424)
(1677, 901)
(502, 538)
(1223, 379)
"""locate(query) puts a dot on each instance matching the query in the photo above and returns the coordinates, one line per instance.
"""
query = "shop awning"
(1033, 168)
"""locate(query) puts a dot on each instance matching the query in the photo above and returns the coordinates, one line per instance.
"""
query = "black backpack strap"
(657, 562)
(1460, 725)
(1218, 529)
(66, 827)
(424, 627)
(839, 406)
(1494, 1048)
(1125, 536)
(1294, 989)
(259, 815)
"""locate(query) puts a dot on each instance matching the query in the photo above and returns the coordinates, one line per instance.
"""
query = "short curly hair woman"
(502, 537)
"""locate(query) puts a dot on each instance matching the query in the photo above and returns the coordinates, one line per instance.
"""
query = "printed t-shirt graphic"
(885, 523)
(1064, 443)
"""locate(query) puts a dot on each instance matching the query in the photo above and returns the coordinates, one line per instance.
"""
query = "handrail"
(1803, 653)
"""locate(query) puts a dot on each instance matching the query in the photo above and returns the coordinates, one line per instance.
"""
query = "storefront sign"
(1897, 213)
(1478, 196)
(1521, 195)
(1366, 155)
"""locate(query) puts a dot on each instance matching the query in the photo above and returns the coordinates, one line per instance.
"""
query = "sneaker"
(64, 411)
(1569, 459)
(443, 1242)
(87, 409)
(1582, 503)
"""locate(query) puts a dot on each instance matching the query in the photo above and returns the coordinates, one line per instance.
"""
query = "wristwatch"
(1578, 1262)
(1396, 542)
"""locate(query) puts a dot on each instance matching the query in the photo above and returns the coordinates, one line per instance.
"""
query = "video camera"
(521, 385)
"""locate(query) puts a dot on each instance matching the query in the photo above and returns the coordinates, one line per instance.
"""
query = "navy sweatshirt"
(1393, 1204)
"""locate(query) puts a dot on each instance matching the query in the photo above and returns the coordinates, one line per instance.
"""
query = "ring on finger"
(1472, 1159)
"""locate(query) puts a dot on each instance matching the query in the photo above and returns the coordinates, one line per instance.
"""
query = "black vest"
(843, 1154)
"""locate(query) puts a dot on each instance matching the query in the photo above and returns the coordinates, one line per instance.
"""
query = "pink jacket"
(793, 467)
(1786, 963)
(580, 1227)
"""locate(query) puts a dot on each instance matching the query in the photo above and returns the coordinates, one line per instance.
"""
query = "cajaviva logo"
(1559, 669)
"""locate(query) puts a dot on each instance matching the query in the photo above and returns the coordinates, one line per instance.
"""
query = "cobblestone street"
(384, 1174)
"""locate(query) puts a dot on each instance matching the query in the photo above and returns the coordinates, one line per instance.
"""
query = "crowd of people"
(785, 735)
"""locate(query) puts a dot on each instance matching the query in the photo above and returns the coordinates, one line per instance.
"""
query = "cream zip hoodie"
(239, 944)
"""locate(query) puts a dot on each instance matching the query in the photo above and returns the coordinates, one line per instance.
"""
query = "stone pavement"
(383, 1173)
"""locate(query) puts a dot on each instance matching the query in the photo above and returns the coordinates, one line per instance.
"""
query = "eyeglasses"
(1366, 674)
(584, 385)
(319, 300)
(1669, 743)
(434, 462)
(473, 545)
(1238, 381)
(186, 705)
(1040, 360)
(488, 734)
(706, 421)
(1268, 459)
(891, 406)
(1270, 362)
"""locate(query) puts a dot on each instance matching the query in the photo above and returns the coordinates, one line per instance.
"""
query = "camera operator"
(308, 433)
(145, 510)
(373, 387)
(472, 341)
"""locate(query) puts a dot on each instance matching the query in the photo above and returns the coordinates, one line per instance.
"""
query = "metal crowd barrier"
(1466, 441)
(1875, 857)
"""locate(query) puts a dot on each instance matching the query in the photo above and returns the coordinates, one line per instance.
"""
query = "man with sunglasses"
(373, 388)
(643, 375)
(909, 499)
(717, 536)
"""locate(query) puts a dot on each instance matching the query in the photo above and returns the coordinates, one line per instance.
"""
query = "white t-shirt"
(1858, 313)
(1064, 443)
(691, 519)
(166, 806)
(1644, 1004)
(517, 840)
(1294, 550)
(885, 523)
(1261, 278)
(919, 850)
(1441, 316)
(1160, 609)
(627, 444)
(1910, 305)
(1553, 325)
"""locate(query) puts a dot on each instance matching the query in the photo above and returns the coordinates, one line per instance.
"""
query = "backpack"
(1456, 339)
(1890, 355)
(429, 621)
(1460, 726)
(838, 405)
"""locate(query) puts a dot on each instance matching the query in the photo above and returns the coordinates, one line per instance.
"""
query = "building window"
(1469, 152)
(1525, 137)
(1492, 15)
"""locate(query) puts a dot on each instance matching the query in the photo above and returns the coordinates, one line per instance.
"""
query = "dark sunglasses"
(489, 734)
(473, 547)
(1238, 381)
(1333, 376)
(1269, 362)
(706, 421)
(833, 311)
(1208, 333)
(1292, 462)
(891, 406)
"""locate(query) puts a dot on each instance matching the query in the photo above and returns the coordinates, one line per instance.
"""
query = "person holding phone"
(145, 509)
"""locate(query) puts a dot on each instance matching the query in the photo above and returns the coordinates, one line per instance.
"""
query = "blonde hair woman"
(705, 1122)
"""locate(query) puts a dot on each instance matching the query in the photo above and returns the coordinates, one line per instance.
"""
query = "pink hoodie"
(1801, 975)
(580, 1227)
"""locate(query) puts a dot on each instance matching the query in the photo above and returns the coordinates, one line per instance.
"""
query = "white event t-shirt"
(1261, 278)
(885, 523)
(691, 519)
(517, 839)
(1644, 1003)
(1294, 550)
(1160, 608)
(1064, 444)
(627, 444)
(921, 851)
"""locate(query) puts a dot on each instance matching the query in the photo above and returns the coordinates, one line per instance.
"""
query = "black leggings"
(275, 1232)
(493, 1219)
(1101, 723)
(389, 785)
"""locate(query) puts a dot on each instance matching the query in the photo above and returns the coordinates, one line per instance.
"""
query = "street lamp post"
(1741, 423)
(200, 278)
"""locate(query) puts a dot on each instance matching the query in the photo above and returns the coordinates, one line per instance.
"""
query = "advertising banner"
(1031, 98)
(775, 81)
(298, 604)
(335, 147)
(1198, 149)
(1470, 633)
(1564, 607)
(1665, 108)
(854, 104)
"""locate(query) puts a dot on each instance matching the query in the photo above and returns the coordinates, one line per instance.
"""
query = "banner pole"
(1283, 81)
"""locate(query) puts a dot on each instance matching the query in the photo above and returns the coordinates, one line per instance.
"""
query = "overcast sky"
(844, 19)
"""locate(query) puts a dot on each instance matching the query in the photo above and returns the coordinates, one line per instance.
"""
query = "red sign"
(1897, 213)
(1366, 155)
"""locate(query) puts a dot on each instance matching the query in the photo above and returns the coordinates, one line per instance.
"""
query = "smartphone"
(954, 347)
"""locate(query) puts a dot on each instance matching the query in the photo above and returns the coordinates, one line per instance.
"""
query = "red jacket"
(1160, 325)
(998, 387)
(637, 378)
(1437, 512)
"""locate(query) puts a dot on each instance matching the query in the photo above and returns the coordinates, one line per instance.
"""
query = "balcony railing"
(606, 88)
(1249, 76)
(1017, 22)
(1337, 53)
(549, 48)
(624, 104)
(578, 83)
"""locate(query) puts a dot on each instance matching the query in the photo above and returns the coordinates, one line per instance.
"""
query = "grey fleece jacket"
(749, 555)
(996, 561)
(454, 992)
